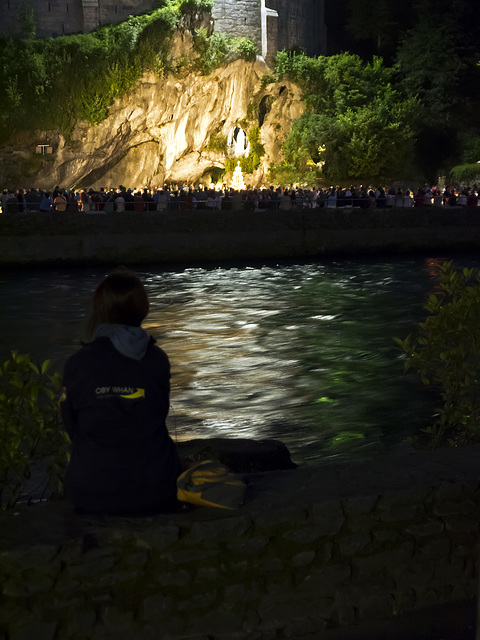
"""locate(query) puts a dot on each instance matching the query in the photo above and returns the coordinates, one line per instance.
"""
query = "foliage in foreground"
(445, 351)
(357, 126)
(30, 429)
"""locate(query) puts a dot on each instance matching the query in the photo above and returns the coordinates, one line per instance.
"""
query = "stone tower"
(274, 24)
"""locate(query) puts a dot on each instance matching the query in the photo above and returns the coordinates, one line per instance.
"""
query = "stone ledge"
(312, 550)
(204, 236)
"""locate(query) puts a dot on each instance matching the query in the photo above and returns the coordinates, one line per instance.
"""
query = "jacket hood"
(131, 342)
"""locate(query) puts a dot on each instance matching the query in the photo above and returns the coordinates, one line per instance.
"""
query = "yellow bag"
(211, 484)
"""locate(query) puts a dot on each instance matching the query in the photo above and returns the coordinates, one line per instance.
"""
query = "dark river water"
(303, 353)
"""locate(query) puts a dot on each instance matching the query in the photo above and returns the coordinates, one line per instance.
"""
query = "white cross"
(265, 12)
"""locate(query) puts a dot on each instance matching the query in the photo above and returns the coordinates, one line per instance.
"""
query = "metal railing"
(224, 205)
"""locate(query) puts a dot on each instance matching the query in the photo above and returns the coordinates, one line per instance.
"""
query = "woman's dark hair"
(119, 299)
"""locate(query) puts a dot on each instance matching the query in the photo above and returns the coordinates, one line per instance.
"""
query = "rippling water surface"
(299, 352)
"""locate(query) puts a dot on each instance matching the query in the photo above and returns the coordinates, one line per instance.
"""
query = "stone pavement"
(372, 549)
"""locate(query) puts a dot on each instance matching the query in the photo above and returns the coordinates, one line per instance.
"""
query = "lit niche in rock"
(237, 142)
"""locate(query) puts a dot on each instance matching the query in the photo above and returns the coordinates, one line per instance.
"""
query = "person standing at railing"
(237, 201)
(450, 198)
(97, 200)
(138, 203)
(85, 203)
(32, 200)
(437, 198)
(72, 202)
(162, 200)
(120, 203)
(462, 198)
(3, 200)
(399, 198)
(21, 201)
(285, 202)
(428, 198)
(380, 198)
(472, 198)
(213, 201)
(46, 203)
(186, 200)
(60, 202)
(148, 200)
(407, 199)
(418, 200)
(299, 199)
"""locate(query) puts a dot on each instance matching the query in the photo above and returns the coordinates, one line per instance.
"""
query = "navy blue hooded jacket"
(123, 461)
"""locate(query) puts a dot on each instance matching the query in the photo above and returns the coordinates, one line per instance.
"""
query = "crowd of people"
(182, 197)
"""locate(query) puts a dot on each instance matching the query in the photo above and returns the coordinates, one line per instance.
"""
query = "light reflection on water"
(299, 352)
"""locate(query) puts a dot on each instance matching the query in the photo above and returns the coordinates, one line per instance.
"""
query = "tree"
(380, 22)
(357, 126)
(445, 352)
(437, 58)
(431, 66)
(27, 20)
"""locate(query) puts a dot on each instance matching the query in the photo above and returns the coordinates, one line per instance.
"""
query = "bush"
(445, 351)
(215, 49)
(50, 84)
(30, 429)
(27, 20)
(465, 173)
(358, 124)
(196, 6)
(217, 143)
(245, 48)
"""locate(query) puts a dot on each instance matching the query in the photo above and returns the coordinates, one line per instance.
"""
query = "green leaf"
(45, 366)
(29, 426)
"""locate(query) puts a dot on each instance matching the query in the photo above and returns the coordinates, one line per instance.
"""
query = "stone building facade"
(63, 17)
(272, 24)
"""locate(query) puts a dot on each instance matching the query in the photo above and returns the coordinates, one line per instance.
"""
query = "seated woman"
(115, 404)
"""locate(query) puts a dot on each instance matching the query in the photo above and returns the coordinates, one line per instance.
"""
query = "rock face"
(159, 133)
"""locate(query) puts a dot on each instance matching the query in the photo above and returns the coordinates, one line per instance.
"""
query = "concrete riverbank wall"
(312, 552)
(199, 236)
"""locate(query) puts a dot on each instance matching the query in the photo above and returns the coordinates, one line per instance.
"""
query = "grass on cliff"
(54, 82)
(51, 83)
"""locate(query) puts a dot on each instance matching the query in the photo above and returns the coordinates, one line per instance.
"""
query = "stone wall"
(100, 12)
(311, 551)
(53, 17)
(205, 236)
(239, 18)
(63, 17)
(300, 22)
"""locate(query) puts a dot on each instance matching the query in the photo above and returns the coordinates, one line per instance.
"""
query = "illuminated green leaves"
(357, 125)
(445, 352)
